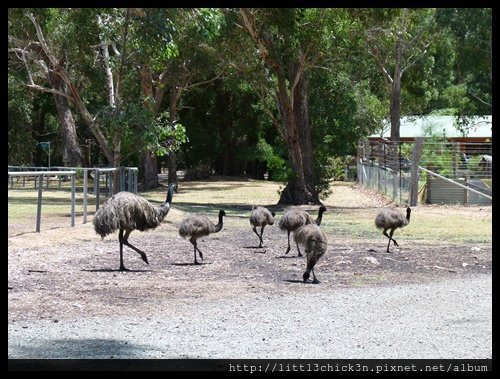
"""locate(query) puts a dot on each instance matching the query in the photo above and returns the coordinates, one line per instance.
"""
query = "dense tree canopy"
(235, 91)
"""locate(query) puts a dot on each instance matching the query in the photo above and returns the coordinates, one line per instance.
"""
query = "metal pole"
(106, 181)
(85, 174)
(129, 177)
(39, 206)
(111, 181)
(96, 185)
(98, 189)
(452, 181)
(73, 199)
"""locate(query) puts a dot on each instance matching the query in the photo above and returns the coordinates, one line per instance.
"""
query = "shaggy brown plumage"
(261, 216)
(315, 242)
(294, 218)
(127, 212)
(197, 226)
(392, 219)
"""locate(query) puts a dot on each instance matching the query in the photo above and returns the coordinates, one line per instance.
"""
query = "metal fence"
(449, 172)
(102, 182)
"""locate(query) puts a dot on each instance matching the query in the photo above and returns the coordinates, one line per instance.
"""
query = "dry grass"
(351, 213)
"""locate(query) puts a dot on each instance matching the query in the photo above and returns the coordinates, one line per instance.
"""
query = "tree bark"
(73, 156)
(292, 103)
(294, 113)
(150, 164)
(395, 103)
(175, 96)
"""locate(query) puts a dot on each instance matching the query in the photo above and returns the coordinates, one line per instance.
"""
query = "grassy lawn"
(351, 210)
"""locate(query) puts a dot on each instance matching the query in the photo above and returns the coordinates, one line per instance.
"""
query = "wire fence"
(449, 172)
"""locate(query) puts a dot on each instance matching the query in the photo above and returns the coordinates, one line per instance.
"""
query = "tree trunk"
(172, 167)
(150, 165)
(292, 100)
(300, 189)
(149, 160)
(73, 156)
(301, 111)
(396, 108)
(175, 96)
(396, 93)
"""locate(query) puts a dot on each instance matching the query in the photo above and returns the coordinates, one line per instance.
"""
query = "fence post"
(39, 206)
(415, 162)
(85, 175)
(73, 190)
(97, 188)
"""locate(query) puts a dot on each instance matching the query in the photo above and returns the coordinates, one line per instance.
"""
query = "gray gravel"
(442, 320)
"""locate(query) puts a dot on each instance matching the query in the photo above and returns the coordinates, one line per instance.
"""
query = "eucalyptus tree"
(397, 39)
(176, 52)
(286, 45)
(471, 33)
(42, 66)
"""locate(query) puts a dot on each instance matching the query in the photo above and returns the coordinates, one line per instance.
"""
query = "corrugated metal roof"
(414, 126)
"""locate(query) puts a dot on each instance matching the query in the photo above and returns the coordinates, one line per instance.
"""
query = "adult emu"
(261, 216)
(316, 244)
(294, 218)
(127, 212)
(392, 219)
(197, 226)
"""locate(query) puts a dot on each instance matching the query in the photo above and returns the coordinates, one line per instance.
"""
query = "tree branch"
(420, 56)
(189, 86)
(42, 41)
(49, 90)
(479, 99)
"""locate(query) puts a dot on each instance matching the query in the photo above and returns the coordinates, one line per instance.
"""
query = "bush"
(200, 171)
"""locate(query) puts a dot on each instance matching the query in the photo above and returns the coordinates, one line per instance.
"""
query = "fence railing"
(386, 168)
(390, 183)
(128, 182)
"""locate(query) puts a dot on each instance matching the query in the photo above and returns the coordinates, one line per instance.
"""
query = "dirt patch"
(76, 279)
(66, 272)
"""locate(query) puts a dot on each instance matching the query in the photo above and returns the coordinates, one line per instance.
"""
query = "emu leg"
(120, 238)
(287, 250)
(390, 239)
(315, 280)
(193, 241)
(393, 240)
(298, 249)
(141, 253)
(261, 233)
(260, 239)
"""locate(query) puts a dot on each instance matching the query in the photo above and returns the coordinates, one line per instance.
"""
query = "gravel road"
(444, 319)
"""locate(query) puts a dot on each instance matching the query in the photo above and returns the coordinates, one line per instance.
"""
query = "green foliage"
(163, 136)
(226, 122)
(20, 143)
(437, 153)
(276, 165)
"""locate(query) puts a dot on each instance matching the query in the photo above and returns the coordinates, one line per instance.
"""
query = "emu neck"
(318, 219)
(218, 227)
(164, 208)
(170, 194)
